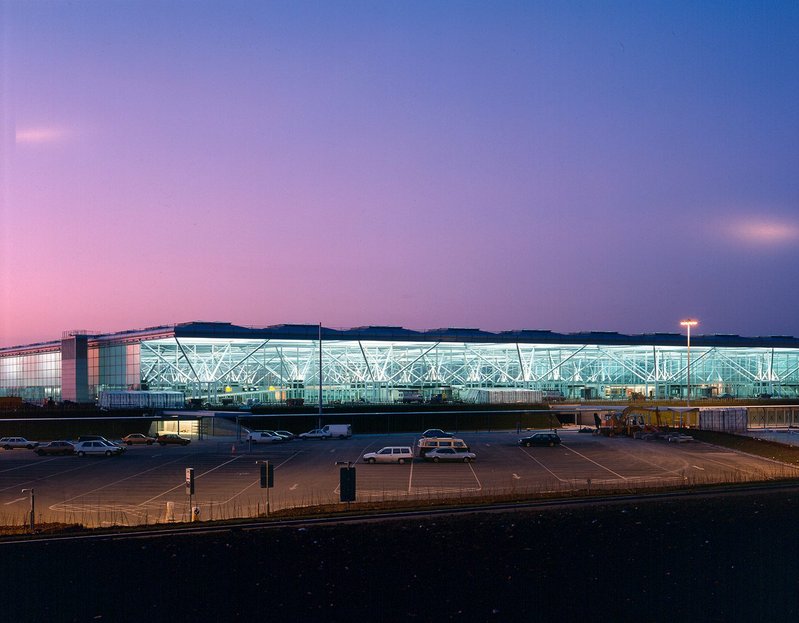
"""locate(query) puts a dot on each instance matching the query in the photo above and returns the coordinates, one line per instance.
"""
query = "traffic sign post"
(267, 479)
(32, 510)
(346, 481)
(190, 492)
(189, 481)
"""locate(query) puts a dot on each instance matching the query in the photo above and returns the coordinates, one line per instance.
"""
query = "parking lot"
(148, 482)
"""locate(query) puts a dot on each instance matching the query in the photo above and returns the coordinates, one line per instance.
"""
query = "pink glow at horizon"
(424, 164)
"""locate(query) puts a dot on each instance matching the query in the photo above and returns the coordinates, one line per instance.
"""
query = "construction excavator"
(650, 423)
(634, 421)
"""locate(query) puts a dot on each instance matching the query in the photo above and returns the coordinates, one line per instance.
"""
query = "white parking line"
(653, 464)
(595, 463)
(253, 483)
(733, 467)
(15, 501)
(183, 484)
(31, 464)
(542, 465)
(479, 484)
(111, 484)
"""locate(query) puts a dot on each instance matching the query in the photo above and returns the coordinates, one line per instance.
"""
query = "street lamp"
(688, 324)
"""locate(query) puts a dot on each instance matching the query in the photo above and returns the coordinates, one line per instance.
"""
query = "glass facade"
(33, 376)
(380, 372)
(219, 362)
(114, 366)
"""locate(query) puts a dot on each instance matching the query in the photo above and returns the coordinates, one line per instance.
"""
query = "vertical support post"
(190, 492)
(688, 324)
(319, 421)
(32, 509)
(267, 479)
(688, 372)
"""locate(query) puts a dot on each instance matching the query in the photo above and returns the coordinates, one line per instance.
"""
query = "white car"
(390, 454)
(264, 436)
(329, 431)
(99, 448)
(316, 433)
(449, 454)
(9, 443)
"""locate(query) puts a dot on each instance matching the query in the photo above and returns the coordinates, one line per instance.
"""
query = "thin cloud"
(40, 135)
(765, 232)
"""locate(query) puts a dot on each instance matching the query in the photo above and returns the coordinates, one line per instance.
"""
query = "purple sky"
(570, 166)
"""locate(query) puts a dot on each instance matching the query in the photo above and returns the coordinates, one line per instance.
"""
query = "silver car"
(99, 448)
(9, 443)
(449, 454)
(264, 436)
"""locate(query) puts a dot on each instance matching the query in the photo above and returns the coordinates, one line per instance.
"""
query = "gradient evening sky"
(561, 165)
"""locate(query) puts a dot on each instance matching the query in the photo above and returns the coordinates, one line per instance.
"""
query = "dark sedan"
(55, 447)
(172, 438)
(540, 439)
(437, 432)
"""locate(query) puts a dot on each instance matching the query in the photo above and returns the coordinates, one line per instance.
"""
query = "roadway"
(135, 488)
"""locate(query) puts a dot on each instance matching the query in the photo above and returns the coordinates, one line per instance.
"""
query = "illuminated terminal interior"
(224, 363)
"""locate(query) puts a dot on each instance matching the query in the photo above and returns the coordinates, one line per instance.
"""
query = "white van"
(426, 444)
(340, 431)
(390, 454)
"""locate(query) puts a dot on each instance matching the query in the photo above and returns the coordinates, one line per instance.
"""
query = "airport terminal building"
(224, 363)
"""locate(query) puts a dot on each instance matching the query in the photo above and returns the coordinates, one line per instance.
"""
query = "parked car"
(55, 447)
(449, 454)
(342, 431)
(100, 438)
(540, 439)
(437, 432)
(390, 454)
(264, 436)
(138, 438)
(99, 448)
(425, 444)
(288, 435)
(316, 433)
(9, 443)
(172, 439)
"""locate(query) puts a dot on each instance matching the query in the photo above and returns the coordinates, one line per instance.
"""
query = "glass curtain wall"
(34, 377)
(250, 371)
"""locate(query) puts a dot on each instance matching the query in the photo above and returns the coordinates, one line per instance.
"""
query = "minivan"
(429, 443)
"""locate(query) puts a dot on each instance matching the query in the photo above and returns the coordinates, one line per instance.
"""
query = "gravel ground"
(698, 559)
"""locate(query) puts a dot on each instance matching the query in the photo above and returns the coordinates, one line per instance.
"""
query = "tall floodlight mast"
(688, 324)
(319, 423)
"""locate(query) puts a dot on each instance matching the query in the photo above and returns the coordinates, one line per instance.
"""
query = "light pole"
(319, 419)
(688, 324)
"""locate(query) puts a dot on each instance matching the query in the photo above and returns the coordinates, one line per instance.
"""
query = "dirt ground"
(698, 559)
